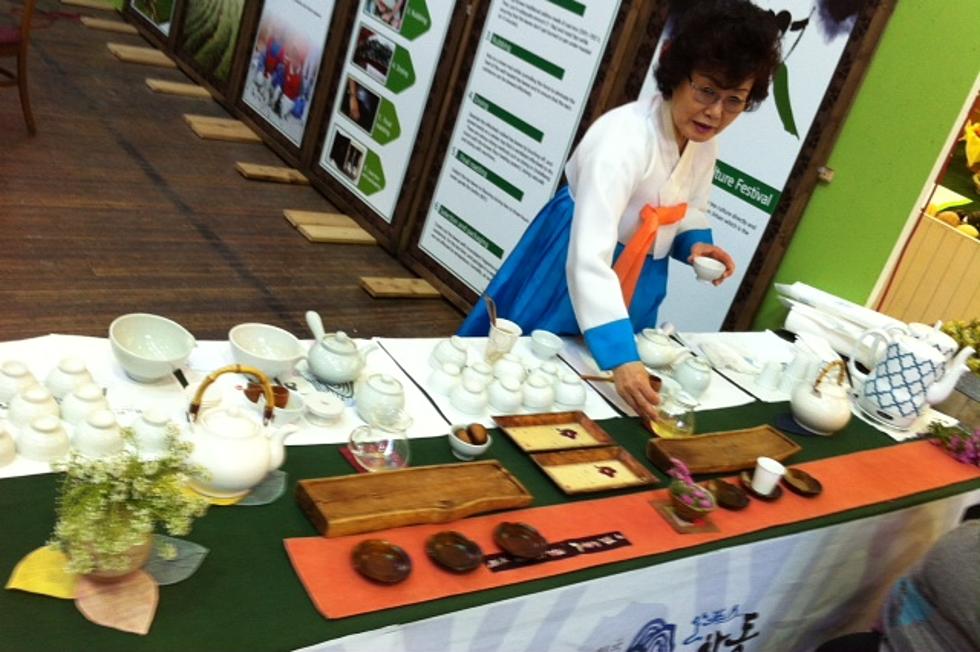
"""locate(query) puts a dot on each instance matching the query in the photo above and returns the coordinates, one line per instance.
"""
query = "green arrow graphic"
(402, 73)
(417, 20)
(386, 127)
(372, 176)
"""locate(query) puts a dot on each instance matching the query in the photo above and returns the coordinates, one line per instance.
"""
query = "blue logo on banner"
(655, 636)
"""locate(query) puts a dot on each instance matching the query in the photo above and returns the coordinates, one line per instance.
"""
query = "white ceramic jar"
(34, 402)
(479, 372)
(469, 396)
(504, 395)
(44, 440)
(8, 449)
(379, 393)
(694, 376)
(570, 392)
(86, 398)
(537, 392)
(442, 380)
(69, 374)
(99, 435)
(15, 378)
(452, 350)
(150, 433)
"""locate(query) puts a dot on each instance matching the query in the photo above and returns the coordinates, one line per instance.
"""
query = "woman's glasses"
(707, 96)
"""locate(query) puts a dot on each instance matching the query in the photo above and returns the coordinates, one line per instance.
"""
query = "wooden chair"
(13, 43)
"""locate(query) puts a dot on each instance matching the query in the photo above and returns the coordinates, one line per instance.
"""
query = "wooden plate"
(728, 495)
(800, 482)
(520, 540)
(381, 561)
(553, 431)
(722, 452)
(593, 469)
(746, 479)
(454, 552)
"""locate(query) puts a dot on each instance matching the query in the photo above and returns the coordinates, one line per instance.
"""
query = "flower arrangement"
(691, 500)
(964, 446)
(107, 507)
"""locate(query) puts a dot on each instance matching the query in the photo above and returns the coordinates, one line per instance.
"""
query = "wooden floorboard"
(116, 206)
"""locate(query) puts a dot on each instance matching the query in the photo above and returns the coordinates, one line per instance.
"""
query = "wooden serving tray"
(721, 452)
(593, 469)
(553, 431)
(352, 504)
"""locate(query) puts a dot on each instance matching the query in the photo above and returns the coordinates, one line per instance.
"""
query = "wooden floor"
(116, 206)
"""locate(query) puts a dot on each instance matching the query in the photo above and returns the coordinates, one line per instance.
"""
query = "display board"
(284, 64)
(381, 99)
(208, 42)
(530, 81)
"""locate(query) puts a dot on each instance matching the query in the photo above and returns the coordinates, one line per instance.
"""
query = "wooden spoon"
(491, 309)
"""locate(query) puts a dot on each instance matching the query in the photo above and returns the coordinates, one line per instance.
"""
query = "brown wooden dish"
(454, 552)
(553, 431)
(381, 561)
(800, 482)
(727, 495)
(721, 452)
(520, 540)
(593, 469)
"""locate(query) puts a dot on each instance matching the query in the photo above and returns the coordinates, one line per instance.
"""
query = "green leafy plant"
(108, 506)
(966, 333)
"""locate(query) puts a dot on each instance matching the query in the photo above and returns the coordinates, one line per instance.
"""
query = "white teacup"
(503, 336)
(538, 393)
(14, 379)
(469, 397)
(545, 344)
(708, 269)
(86, 398)
(44, 440)
(770, 375)
(8, 449)
(150, 432)
(99, 435)
(509, 366)
(69, 374)
(479, 372)
(570, 392)
(504, 395)
(767, 474)
(442, 380)
(452, 350)
(34, 402)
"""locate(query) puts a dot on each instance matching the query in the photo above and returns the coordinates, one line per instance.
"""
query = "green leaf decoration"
(174, 560)
(267, 491)
(780, 92)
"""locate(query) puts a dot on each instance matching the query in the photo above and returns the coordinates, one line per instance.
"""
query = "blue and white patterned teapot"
(909, 376)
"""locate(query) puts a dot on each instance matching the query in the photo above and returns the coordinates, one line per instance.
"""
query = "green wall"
(915, 87)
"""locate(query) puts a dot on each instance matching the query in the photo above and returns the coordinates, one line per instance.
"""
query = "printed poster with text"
(531, 77)
(757, 153)
(285, 62)
(390, 65)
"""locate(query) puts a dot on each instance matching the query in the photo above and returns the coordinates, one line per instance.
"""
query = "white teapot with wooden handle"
(824, 407)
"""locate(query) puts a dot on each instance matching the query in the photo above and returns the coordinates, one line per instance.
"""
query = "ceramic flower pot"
(692, 510)
(123, 564)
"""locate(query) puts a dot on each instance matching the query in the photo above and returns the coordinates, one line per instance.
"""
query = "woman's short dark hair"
(730, 40)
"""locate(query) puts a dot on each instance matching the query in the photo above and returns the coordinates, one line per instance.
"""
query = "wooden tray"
(593, 469)
(720, 452)
(352, 504)
(543, 432)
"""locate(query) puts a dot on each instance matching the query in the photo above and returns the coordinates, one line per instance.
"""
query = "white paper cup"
(503, 336)
(767, 473)
(770, 375)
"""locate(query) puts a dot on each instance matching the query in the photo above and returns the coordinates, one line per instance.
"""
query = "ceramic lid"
(48, 423)
(155, 415)
(481, 367)
(232, 422)
(88, 392)
(384, 384)
(697, 363)
(510, 384)
(14, 368)
(472, 386)
(652, 335)
(72, 365)
(37, 394)
(538, 381)
(324, 404)
(101, 419)
(451, 368)
(339, 343)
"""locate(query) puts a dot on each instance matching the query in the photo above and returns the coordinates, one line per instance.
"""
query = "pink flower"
(687, 499)
(704, 503)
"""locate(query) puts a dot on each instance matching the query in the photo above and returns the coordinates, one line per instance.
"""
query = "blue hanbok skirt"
(531, 287)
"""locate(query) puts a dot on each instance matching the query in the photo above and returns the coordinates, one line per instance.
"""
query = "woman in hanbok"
(594, 261)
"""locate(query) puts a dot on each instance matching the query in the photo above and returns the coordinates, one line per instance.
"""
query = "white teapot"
(235, 450)
(823, 408)
(656, 349)
(334, 357)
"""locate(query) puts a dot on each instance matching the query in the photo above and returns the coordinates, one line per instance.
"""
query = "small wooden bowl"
(800, 482)
(454, 552)
(381, 561)
(727, 495)
(520, 540)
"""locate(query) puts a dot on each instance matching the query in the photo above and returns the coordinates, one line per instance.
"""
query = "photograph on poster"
(210, 35)
(158, 12)
(373, 54)
(347, 155)
(284, 65)
(391, 12)
(360, 104)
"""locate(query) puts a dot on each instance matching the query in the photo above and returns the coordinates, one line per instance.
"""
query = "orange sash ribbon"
(630, 263)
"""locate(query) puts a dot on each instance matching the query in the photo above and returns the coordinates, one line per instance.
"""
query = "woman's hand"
(633, 384)
(719, 254)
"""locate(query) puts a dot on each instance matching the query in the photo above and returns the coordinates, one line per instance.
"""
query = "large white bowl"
(270, 349)
(149, 347)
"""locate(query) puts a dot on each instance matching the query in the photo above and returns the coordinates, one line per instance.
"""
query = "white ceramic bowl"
(270, 349)
(149, 347)
(545, 344)
(290, 413)
(708, 269)
(464, 450)
(44, 440)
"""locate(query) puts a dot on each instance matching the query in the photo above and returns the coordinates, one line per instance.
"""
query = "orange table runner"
(849, 481)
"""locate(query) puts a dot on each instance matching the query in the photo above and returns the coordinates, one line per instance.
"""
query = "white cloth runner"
(128, 398)
(757, 348)
(413, 356)
(918, 426)
(720, 393)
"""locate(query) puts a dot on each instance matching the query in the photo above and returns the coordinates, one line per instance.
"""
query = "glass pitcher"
(382, 444)
(675, 417)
